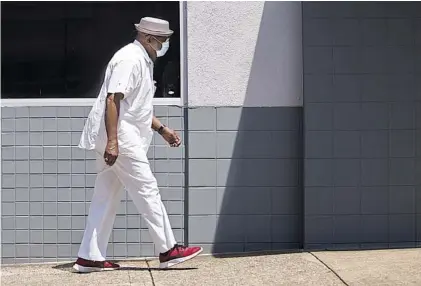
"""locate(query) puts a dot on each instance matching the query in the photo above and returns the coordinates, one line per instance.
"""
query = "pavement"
(371, 267)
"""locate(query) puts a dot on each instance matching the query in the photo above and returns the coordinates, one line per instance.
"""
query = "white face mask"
(164, 49)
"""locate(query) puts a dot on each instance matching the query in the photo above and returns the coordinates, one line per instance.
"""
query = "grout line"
(389, 164)
(56, 187)
(303, 135)
(186, 187)
(130, 279)
(150, 272)
(327, 266)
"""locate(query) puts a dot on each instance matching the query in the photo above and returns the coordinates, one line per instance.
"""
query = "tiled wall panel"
(362, 124)
(47, 185)
(245, 178)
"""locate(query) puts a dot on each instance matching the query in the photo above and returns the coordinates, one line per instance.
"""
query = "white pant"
(136, 177)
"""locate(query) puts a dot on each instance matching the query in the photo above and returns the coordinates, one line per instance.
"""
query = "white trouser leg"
(102, 212)
(141, 184)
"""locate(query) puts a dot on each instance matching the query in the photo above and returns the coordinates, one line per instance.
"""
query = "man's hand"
(111, 152)
(168, 134)
(171, 137)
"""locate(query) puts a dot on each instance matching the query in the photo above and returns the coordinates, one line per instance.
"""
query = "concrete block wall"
(245, 188)
(362, 124)
(47, 184)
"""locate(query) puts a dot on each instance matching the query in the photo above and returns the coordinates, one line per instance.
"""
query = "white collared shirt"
(130, 71)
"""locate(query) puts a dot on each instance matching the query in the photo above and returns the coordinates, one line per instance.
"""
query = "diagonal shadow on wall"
(259, 176)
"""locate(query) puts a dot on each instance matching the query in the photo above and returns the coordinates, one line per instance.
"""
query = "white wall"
(244, 53)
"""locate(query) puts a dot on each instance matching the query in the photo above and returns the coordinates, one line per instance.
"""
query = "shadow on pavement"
(157, 269)
(361, 249)
(64, 267)
(68, 268)
(259, 253)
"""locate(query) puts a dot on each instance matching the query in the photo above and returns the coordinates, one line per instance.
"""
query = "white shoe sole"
(84, 269)
(179, 260)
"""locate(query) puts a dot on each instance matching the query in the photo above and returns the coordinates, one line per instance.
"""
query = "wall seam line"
(186, 127)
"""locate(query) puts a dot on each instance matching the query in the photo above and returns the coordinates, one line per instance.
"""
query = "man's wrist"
(161, 129)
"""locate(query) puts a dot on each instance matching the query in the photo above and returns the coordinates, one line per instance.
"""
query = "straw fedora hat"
(154, 26)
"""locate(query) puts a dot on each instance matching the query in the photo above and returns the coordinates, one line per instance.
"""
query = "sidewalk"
(381, 267)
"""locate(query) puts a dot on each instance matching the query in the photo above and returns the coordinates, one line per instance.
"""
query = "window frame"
(180, 101)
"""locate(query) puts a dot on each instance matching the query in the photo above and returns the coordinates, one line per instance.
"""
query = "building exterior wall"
(244, 54)
(257, 171)
(362, 124)
(244, 125)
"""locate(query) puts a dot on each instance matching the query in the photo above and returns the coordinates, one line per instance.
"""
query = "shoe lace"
(179, 248)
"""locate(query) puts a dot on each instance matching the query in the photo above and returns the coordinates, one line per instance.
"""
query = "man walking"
(119, 129)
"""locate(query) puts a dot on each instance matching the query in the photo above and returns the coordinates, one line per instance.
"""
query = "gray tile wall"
(362, 62)
(245, 178)
(47, 184)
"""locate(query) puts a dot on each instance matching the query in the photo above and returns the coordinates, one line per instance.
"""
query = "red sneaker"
(177, 255)
(84, 266)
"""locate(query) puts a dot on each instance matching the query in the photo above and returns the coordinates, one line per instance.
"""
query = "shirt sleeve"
(124, 78)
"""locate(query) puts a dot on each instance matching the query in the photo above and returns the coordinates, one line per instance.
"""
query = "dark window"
(61, 49)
